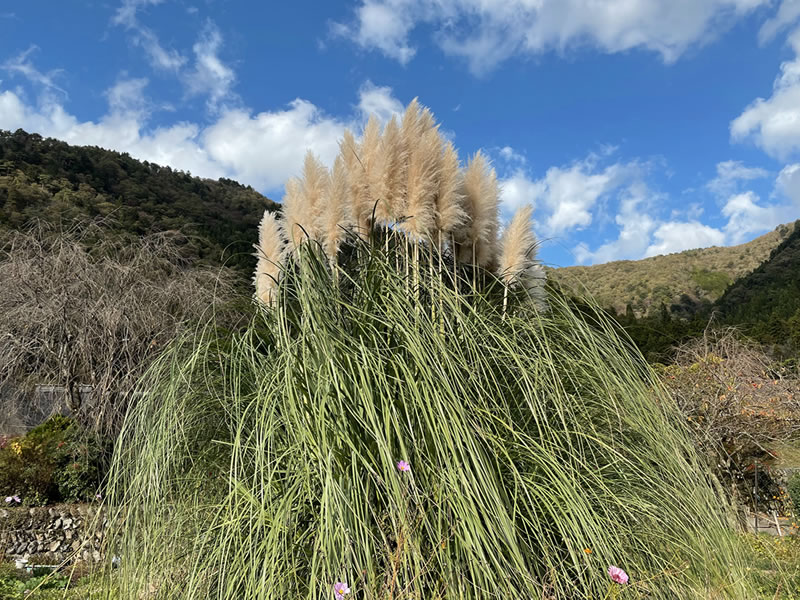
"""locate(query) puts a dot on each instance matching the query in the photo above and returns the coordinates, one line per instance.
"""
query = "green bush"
(794, 491)
(54, 462)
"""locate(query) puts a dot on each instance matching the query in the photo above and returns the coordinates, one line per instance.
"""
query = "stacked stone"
(52, 535)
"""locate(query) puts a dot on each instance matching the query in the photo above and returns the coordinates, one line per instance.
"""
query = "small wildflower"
(340, 589)
(15, 499)
(617, 575)
(98, 497)
(403, 466)
(587, 550)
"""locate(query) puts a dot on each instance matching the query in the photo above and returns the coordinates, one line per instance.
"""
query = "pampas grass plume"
(482, 200)
(295, 213)
(450, 212)
(335, 218)
(269, 252)
(518, 246)
(314, 189)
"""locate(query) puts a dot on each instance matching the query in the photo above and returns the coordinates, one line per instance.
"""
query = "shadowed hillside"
(43, 178)
(766, 303)
(685, 281)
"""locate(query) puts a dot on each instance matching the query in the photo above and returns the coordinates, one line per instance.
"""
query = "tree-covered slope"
(43, 178)
(766, 303)
(686, 282)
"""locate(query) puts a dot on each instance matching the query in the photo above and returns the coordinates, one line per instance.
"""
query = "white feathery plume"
(295, 214)
(518, 246)
(450, 213)
(335, 219)
(392, 169)
(422, 180)
(314, 189)
(269, 252)
(363, 204)
(482, 201)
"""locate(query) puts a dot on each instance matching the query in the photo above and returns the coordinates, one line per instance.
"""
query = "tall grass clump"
(406, 416)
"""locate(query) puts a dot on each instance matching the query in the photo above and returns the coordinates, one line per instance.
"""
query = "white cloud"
(486, 32)
(788, 13)
(518, 190)
(384, 25)
(265, 148)
(570, 194)
(774, 123)
(730, 173)
(676, 236)
(635, 228)
(378, 101)
(746, 217)
(509, 155)
(788, 184)
(261, 149)
(210, 75)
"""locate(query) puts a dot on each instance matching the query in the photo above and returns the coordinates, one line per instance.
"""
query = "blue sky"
(634, 127)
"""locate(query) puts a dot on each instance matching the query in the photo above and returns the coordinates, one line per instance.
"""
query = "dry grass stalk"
(406, 178)
(424, 166)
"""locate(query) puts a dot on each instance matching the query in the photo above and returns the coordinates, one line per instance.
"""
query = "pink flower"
(340, 589)
(617, 575)
(403, 466)
(98, 497)
(14, 498)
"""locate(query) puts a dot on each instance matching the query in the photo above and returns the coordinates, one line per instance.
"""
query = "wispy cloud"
(209, 74)
(127, 16)
(22, 65)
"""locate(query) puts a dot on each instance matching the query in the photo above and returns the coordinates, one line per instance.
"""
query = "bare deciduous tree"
(86, 314)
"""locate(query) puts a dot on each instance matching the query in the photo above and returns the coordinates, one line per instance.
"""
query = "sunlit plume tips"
(406, 178)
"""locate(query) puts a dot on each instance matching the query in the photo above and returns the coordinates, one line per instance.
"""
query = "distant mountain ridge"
(47, 179)
(685, 282)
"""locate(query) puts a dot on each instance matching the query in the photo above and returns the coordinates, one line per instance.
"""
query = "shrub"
(55, 462)
(737, 407)
(793, 488)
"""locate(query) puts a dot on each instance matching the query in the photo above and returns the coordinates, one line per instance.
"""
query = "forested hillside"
(686, 282)
(764, 305)
(46, 179)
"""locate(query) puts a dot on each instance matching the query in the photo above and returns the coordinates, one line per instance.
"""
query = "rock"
(55, 546)
(66, 523)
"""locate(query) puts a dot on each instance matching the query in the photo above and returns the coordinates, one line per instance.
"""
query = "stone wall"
(53, 534)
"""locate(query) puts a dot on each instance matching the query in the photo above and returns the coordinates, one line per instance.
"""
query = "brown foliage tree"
(738, 407)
